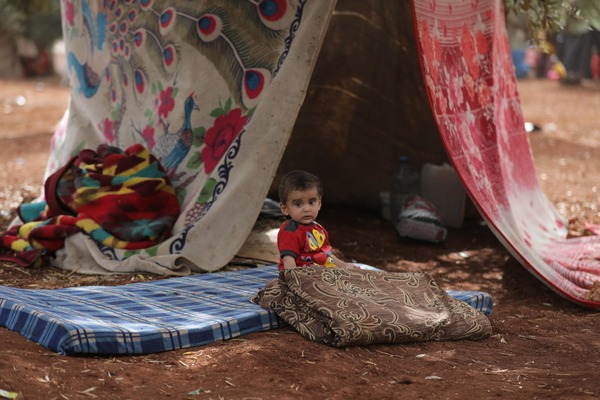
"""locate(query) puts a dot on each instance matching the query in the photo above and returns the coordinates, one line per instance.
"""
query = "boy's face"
(302, 205)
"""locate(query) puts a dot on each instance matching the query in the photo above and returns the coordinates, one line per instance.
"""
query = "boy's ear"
(284, 209)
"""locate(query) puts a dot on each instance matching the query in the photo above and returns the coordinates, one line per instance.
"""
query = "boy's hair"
(298, 180)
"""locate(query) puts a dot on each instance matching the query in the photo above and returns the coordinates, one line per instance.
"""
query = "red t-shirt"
(308, 244)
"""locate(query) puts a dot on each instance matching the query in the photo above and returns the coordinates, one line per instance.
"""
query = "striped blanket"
(120, 198)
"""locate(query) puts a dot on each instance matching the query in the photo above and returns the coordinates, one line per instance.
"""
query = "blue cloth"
(151, 316)
(521, 67)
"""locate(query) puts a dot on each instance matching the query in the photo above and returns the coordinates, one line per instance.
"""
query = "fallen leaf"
(7, 394)
(88, 392)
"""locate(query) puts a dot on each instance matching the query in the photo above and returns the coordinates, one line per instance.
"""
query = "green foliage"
(12, 18)
(555, 15)
(541, 15)
(39, 20)
(29, 7)
(588, 11)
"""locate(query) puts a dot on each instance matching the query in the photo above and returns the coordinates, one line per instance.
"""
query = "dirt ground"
(543, 348)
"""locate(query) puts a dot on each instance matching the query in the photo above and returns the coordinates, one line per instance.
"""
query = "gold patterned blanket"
(347, 307)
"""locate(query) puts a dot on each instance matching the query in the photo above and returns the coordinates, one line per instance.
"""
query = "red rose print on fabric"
(165, 102)
(148, 135)
(108, 130)
(218, 138)
(69, 13)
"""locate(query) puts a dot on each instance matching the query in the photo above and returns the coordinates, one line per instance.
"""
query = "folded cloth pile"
(346, 307)
(121, 198)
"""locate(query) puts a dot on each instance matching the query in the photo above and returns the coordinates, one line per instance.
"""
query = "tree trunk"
(10, 65)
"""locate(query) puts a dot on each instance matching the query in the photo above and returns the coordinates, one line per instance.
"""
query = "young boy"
(301, 240)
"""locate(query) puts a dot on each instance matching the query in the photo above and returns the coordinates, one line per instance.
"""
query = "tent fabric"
(211, 88)
(153, 316)
(470, 80)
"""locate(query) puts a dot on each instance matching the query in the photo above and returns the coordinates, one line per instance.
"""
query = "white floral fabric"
(211, 88)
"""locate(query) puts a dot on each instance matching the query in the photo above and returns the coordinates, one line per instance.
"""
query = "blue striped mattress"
(152, 316)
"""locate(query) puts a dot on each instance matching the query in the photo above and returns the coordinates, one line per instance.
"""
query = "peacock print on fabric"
(198, 84)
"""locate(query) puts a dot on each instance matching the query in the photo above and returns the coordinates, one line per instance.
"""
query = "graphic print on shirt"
(315, 244)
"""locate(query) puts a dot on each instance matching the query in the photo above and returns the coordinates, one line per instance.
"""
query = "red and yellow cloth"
(121, 199)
